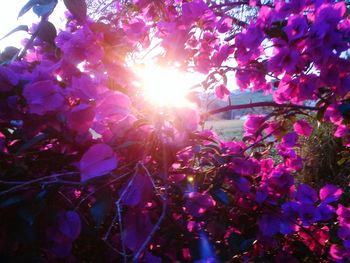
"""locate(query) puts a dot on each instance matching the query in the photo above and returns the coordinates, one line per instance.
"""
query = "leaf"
(220, 195)
(27, 7)
(9, 54)
(11, 201)
(45, 9)
(47, 32)
(19, 28)
(78, 8)
(100, 210)
(35, 140)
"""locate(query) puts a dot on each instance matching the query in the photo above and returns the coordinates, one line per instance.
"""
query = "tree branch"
(259, 104)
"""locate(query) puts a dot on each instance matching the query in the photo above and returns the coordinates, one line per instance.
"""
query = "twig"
(118, 214)
(160, 219)
(26, 183)
(153, 231)
(99, 189)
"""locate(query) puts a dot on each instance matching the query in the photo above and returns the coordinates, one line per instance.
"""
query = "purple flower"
(308, 214)
(269, 225)
(139, 192)
(306, 194)
(326, 211)
(198, 203)
(280, 180)
(288, 7)
(98, 160)
(286, 59)
(247, 44)
(243, 166)
(43, 96)
(290, 140)
(8, 79)
(80, 118)
(115, 106)
(331, 13)
(296, 27)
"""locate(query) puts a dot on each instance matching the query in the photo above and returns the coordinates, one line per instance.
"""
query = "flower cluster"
(89, 172)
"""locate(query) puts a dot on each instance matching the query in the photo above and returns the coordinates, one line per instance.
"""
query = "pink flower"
(330, 193)
(43, 96)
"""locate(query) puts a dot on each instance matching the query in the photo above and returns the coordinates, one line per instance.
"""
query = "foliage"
(90, 171)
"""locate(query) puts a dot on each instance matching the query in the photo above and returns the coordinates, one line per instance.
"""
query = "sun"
(165, 86)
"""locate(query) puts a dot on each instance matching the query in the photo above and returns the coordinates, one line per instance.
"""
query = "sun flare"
(165, 87)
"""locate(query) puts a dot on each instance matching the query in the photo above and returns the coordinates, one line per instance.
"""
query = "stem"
(26, 183)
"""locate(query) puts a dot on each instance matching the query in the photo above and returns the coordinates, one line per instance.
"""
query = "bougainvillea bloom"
(43, 97)
(98, 160)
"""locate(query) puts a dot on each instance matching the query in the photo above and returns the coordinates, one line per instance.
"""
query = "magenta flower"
(343, 215)
(192, 11)
(224, 24)
(43, 97)
(98, 160)
(302, 127)
(221, 55)
(222, 92)
(330, 193)
(252, 124)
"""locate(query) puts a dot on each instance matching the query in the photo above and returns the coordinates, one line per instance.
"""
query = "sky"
(8, 21)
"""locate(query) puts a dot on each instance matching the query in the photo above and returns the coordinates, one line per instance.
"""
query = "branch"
(259, 104)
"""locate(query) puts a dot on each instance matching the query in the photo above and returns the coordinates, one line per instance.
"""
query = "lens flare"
(165, 87)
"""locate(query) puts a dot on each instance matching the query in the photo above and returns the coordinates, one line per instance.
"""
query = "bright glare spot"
(165, 86)
(190, 179)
